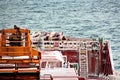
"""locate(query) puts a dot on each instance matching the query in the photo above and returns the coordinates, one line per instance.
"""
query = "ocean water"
(77, 18)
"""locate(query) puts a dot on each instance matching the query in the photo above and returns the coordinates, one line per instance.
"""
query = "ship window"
(47, 43)
(74, 43)
(44, 43)
(60, 43)
(51, 43)
(70, 43)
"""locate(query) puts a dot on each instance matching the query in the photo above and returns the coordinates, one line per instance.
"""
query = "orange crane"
(16, 54)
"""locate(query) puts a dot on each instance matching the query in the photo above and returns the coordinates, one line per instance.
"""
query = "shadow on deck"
(19, 76)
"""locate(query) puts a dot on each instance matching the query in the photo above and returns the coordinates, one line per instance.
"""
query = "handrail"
(63, 45)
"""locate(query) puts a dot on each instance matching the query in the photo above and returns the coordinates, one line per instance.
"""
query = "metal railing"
(63, 45)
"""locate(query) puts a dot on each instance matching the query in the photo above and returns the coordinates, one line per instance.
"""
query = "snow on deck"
(60, 73)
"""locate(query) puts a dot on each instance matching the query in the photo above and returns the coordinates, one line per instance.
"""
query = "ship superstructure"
(90, 58)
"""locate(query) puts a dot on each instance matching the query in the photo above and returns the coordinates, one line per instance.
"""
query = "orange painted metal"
(13, 47)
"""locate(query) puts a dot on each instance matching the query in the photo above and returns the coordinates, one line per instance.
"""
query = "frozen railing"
(64, 45)
(117, 75)
(61, 45)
